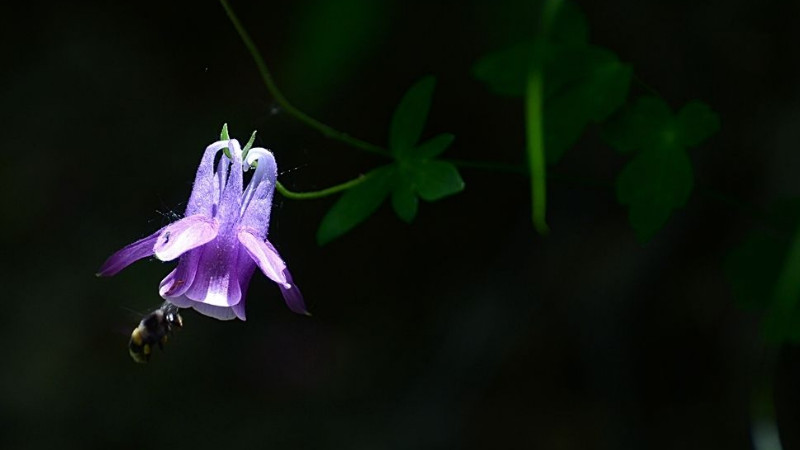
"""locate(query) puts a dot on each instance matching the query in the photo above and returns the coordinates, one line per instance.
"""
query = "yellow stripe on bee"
(138, 358)
(136, 337)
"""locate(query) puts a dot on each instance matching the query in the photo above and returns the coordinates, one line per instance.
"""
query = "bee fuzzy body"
(154, 329)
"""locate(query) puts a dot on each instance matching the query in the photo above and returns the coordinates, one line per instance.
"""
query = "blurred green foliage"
(583, 83)
(415, 173)
(659, 178)
(763, 273)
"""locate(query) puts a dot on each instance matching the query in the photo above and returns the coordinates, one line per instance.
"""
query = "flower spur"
(221, 239)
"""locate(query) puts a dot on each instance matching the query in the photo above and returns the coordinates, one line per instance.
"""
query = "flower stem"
(311, 195)
(534, 119)
(535, 147)
(266, 76)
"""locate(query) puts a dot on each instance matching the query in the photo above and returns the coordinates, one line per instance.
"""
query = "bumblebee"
(154, 329)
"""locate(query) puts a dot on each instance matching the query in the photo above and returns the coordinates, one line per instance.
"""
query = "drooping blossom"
(221, 239)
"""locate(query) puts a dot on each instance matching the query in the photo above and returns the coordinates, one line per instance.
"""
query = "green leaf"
(582, 84)
(505, 71)
(404, 200)
(696, 122)
(249, 143)
(599, 92)
(223, 135)
(410, 116)
(659, 179)
(436, 179)
(647, 123)
(356, 204)
(653, 184)
(433, 147)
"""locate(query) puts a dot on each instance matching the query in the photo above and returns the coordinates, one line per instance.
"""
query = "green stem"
(534, 119)
(311, 195)
(266, 76)
(535, 147)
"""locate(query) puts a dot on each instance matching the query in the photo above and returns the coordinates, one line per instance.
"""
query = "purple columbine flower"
(221, 239)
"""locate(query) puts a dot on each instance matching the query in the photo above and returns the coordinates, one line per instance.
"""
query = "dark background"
(462, 330)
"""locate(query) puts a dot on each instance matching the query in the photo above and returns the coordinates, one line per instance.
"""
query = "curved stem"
(311, 195)
(266, 76)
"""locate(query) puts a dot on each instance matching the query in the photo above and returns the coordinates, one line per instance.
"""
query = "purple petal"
(179, 280)
(216, 312)
(231, 199)
(182, 301)
(184, 235)
(238, 309)
(265, 256)
(257, 210)
(221, 177)
(292, 295)
(204, 190)
(217, 282)
(246, 268)
(259, 193)
(128, 255)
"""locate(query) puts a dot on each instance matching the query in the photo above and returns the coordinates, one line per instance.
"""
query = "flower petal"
(246, 268)
(182, 301)
(128, 255)
(216, 312)
(221, 177)
(231, 198)
(238, 309)
(216, 281)
(258, 195)
(292, 295)
(179, 280)
(204, 190)
(265, 256)
(184, 235)
(257, 209)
